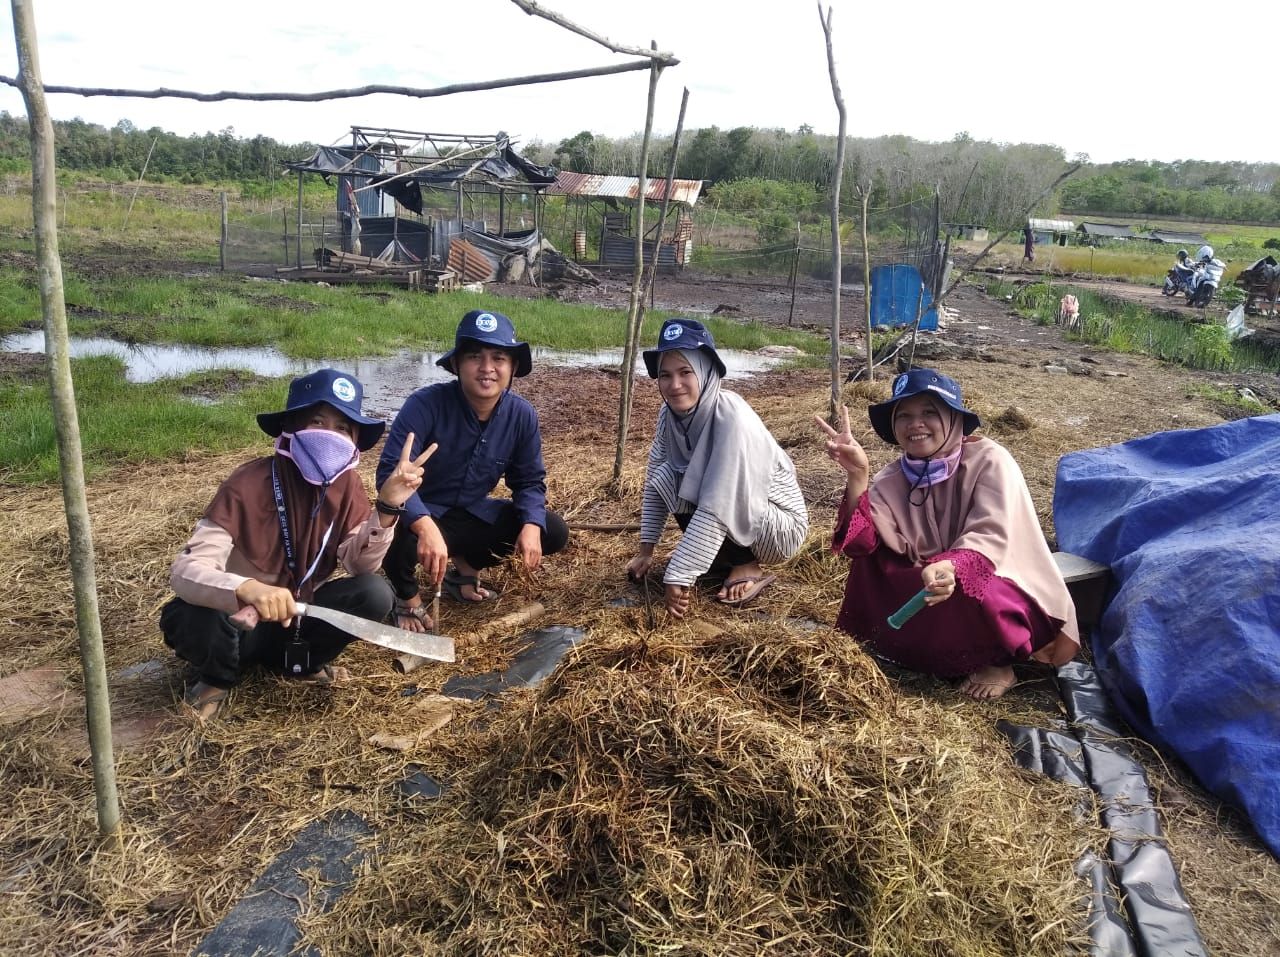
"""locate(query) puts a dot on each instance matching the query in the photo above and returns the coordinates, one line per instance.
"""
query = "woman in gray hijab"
(715, 467)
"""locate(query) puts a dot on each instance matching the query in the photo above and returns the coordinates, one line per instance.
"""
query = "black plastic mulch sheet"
(263, 923)
(1137, 906)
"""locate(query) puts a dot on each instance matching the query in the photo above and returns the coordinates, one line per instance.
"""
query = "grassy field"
(128, 283)
(1129, 327)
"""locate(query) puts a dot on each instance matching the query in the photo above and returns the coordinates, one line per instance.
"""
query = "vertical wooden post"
(284, 237)
(864, 191)
(634, 310)
(66, 423)
(666, 201)
(298, 257)
(222, 235)
(795, 273)
(835, 219)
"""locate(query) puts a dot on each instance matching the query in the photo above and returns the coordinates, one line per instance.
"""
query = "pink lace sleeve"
(973, 571)
(855, 533)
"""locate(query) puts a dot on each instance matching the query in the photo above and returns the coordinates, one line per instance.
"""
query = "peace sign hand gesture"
(404, 481)
(844, 450)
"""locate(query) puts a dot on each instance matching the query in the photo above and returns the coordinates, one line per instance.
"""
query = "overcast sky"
(1115, 80)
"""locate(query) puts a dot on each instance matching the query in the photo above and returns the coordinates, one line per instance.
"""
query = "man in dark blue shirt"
(485, 433)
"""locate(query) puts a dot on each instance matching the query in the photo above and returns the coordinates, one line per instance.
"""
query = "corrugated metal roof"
(1052, 225)
(1112, 230)
(1176, 238)
(624, 187)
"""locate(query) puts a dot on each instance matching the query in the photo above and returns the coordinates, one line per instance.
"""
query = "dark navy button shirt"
(472, 456)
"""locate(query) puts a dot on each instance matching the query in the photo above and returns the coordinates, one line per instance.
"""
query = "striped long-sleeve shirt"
(782, 530)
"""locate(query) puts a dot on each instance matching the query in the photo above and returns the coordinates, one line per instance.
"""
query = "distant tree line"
(121, 151)
(978, 182)
(1192, 189)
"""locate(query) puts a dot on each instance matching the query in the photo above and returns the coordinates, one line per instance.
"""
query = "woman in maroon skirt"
(952, 516)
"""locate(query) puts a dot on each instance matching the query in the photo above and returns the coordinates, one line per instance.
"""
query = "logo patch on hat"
(673, 331)
(941, 391)
(899, 384)
(486, 322)
(344, 389)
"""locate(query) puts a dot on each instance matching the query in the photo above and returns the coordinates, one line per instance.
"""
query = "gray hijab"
(722, 453)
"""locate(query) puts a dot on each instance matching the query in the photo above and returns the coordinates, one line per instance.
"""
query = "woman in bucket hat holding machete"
(276, 530)
(715, 467)
(952, 514)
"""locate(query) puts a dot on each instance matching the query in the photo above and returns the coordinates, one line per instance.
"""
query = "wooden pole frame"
(835, 216)
(67, 426)
(635, 306)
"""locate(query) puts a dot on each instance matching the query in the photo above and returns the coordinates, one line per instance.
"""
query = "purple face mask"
(320, 454)
(925, 472)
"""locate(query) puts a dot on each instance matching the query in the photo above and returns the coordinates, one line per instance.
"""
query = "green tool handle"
(913, 605)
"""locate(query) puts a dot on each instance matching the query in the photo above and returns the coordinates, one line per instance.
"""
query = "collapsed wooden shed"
(436, 207)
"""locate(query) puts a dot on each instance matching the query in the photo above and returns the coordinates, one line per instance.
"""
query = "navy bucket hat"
(916, 382)
(688, 334)
(489, 329)
(338, 389)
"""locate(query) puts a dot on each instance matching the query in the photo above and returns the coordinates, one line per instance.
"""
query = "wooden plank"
(1077, 568)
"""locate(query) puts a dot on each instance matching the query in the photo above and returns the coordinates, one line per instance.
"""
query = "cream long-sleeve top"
(210, 568)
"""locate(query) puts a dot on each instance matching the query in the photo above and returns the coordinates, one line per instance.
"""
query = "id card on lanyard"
(282, 515)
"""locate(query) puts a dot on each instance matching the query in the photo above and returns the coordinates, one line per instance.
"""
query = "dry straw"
(758, 789)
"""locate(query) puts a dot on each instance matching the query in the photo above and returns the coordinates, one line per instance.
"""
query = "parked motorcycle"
(1180, 278)
(1208, 274)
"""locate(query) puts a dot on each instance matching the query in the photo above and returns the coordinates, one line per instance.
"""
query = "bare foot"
(989, 682)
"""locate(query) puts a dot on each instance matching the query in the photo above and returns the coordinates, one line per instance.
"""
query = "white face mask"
(320, 454)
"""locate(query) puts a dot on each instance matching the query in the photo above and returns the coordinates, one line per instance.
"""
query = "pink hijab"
(984, 507)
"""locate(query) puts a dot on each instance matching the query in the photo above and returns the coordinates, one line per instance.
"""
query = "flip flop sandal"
(758, 584)
(454, 581)
(402, 609)
(199, 696)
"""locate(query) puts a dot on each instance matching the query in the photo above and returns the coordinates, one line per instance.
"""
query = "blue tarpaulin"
(1189, 646)
(895, 294)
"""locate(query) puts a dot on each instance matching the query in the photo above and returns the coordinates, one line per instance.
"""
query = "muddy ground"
(1039, 392)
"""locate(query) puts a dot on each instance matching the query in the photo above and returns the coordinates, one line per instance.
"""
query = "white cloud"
(1109, 79)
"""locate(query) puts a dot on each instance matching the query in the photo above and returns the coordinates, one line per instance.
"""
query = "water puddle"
(387, 380)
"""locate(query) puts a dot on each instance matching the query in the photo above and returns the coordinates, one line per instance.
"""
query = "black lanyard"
(282, 515)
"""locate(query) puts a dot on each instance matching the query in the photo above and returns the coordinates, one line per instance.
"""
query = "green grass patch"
(125, 423)
(1128, 327)
(341, 322)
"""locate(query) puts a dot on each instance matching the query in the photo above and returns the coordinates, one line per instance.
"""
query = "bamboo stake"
(62, 397)
(835, 216)
(637, 276)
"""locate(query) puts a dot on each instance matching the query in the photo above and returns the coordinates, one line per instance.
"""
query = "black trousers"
(475, 541)
(221, 654)
(731, 554)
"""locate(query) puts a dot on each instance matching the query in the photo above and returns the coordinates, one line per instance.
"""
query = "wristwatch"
(386, 509)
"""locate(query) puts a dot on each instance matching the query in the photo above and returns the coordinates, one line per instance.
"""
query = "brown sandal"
(402, 610)
(205, 700)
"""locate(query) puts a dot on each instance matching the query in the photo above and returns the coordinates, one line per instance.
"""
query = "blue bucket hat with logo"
(489, 329)
(340, 390)
(681, 333)
(917, 382)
